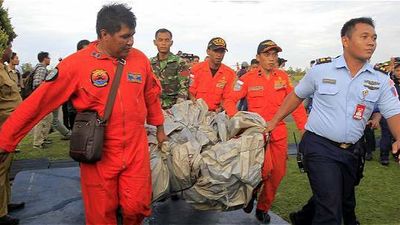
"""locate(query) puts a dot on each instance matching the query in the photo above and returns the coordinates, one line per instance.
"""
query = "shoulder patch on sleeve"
(52, 75)
(237, 85)
(382, 67)
(323, 60)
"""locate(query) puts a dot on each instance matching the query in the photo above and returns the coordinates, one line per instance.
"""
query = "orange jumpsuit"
(212, 89)
(122, 177)
(264, 96)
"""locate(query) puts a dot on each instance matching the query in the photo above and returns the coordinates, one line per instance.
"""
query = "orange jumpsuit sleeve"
(45, 99)
(238, 90)
(299, 114)
(152, 98)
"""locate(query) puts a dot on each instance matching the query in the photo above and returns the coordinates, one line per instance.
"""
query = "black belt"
(337, 144)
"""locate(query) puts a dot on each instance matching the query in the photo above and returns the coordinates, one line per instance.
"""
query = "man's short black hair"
(163, 30)
(81, 44)
(254, 61)
(42, 55)
(112, 16)
(348, 27)
(13, 55)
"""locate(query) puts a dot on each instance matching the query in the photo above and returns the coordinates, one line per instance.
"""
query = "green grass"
(291, 128)
(377, 195)
(57, 150)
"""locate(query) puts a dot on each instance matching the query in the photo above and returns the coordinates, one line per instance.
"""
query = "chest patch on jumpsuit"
(99, 78)
(280, 83)
(221, 83)
(135, 77)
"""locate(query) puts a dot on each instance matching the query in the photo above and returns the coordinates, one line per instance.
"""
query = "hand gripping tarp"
(214, 160)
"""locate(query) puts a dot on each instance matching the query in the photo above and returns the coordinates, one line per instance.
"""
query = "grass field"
(377, 195)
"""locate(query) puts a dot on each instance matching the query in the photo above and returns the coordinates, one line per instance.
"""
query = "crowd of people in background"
(29, 79)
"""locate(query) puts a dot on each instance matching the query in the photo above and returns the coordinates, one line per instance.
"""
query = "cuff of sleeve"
(298, 93)
(155, 120)
(390, 113)
(8, 148)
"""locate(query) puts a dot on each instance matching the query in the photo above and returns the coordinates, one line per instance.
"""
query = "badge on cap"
(52, 75)
(219, 42)
(99, 78)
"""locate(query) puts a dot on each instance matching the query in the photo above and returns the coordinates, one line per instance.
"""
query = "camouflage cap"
(217, 43)
(267, 45)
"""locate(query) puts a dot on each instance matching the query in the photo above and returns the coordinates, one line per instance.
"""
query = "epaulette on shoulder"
(382, 67)
(323, 60)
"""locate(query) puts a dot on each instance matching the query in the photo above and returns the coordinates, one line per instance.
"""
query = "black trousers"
(69, 114)
(332, 175)
(386, 141)
(370, 143)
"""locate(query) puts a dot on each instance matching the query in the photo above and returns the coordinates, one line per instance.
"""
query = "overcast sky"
(304, 29)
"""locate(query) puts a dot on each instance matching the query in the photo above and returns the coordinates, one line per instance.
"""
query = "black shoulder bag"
(87, 136)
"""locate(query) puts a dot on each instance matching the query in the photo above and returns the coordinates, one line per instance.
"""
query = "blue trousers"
(332, 175)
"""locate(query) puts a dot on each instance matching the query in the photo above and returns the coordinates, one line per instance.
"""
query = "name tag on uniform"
(256, 88)
(359, 112)
(328, 81)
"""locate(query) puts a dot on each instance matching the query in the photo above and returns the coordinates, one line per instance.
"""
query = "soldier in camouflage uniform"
(170, 69)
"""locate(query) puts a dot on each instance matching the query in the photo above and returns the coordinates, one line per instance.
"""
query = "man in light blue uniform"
(345, 91)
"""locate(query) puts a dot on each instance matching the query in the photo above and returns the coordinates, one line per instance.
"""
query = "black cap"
(217, 43)
(267, 45)
(281, 60)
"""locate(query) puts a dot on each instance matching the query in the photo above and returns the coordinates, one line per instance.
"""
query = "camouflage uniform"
(174, 76)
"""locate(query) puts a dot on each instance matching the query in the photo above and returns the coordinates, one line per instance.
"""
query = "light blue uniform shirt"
(337, 94)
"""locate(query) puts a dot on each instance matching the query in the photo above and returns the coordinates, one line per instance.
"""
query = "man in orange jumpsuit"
(265, 88)
(211, 80)
(122, 177)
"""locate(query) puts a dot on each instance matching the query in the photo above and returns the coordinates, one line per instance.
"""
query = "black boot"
(249, 207)
(15, 206)
(8, 220)
(263, 217)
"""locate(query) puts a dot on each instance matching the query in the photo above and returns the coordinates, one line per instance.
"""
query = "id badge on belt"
(360, 108)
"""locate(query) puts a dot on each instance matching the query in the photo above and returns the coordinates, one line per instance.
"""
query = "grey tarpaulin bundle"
(214, 160)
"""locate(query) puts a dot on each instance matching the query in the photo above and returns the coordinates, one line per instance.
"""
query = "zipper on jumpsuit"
(123, 130)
